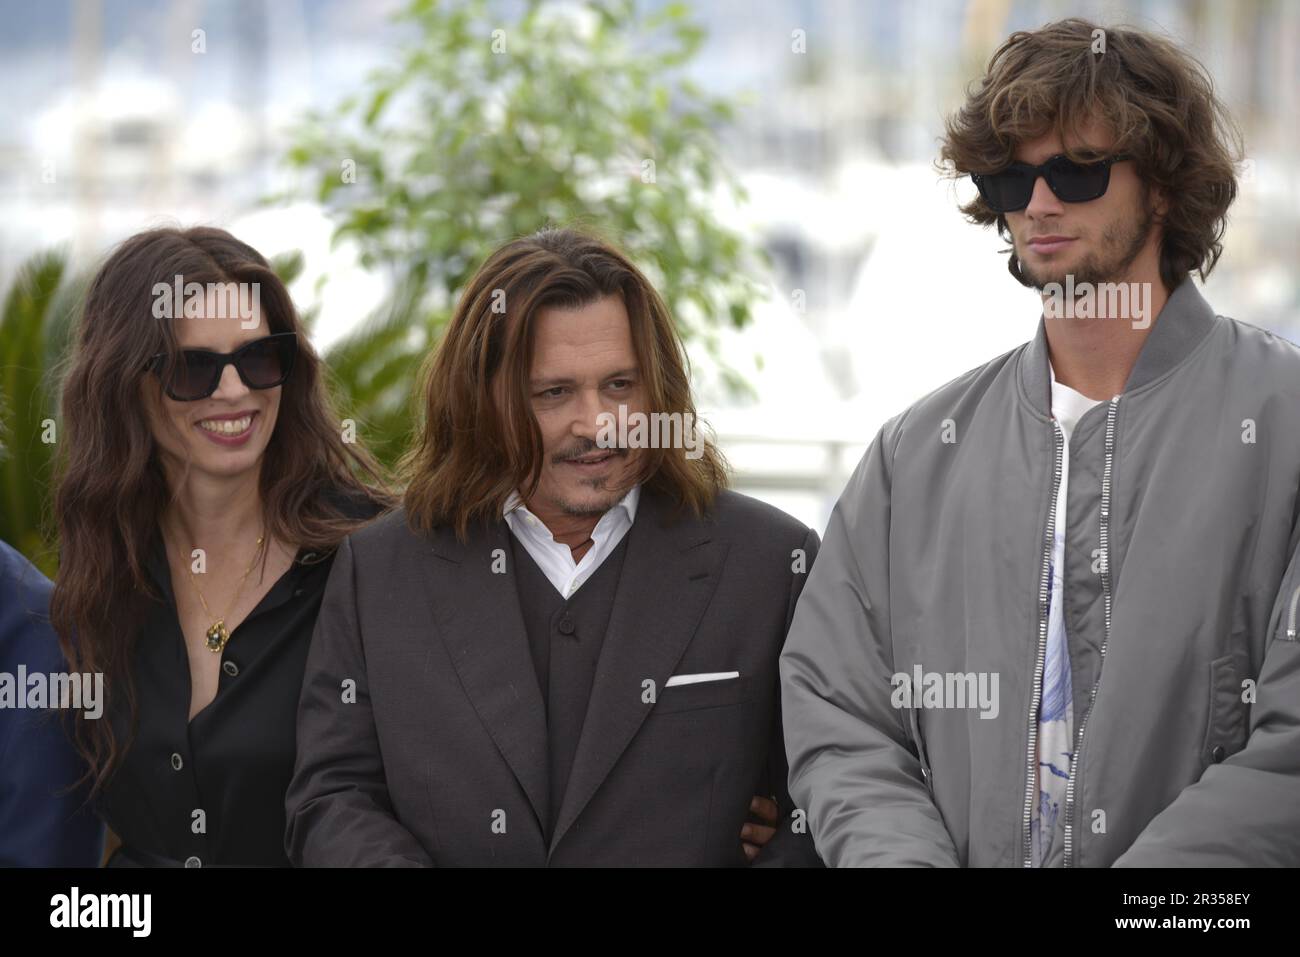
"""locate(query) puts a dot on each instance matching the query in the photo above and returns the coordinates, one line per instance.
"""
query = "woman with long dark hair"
(204, 483)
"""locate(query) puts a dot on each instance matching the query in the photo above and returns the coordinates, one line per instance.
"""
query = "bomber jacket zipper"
(1290, 618)
(1044, 601)
(1068, 858)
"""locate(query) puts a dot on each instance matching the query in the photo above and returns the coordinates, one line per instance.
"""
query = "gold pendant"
(218, 636)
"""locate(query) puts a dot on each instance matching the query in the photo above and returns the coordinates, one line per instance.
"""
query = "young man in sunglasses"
(1053, 621)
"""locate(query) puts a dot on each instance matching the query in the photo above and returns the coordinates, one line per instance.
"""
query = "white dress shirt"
(555, 559)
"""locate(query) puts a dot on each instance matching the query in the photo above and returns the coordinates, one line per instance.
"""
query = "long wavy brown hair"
(469, 455)
(1155, 97)
(111, 489)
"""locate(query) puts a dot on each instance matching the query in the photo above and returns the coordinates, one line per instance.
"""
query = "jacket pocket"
(1226, 729)
(703, 694)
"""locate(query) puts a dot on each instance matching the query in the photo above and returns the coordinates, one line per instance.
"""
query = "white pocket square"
(697, 679)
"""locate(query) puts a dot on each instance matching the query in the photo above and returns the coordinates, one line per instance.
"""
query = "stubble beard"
(1121, 243)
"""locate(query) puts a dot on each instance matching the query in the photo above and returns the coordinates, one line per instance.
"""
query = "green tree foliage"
(488, 126)
(35, 329)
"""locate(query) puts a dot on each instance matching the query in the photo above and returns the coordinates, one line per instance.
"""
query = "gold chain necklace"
(217, 635)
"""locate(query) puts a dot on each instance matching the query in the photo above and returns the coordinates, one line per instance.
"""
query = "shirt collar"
(1059, 388)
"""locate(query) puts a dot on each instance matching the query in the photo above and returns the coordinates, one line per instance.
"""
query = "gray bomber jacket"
(1182, 580)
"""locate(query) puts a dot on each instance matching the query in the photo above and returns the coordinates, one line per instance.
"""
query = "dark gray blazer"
(439, 754)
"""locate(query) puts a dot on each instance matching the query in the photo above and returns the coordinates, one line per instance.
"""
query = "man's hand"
(754, 835)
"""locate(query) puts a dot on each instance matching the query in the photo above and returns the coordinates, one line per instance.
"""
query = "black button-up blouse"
(211, 791)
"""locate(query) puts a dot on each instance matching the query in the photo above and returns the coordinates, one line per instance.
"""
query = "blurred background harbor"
(865, 288)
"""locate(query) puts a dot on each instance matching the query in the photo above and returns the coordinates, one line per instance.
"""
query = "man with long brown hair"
(1054, 620)
(563, 649)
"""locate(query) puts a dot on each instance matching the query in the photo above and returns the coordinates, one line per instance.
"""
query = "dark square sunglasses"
(262, 364)
(1011, 189)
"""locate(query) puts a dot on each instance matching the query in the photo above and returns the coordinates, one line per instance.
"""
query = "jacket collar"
(1181, 325)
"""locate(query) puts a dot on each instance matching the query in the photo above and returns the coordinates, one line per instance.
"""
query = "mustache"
(570, 454)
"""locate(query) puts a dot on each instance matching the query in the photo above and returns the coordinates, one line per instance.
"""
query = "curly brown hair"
(1157, 100)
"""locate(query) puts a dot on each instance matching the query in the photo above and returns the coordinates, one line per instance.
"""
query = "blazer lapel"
(669, 575)
(477, 614)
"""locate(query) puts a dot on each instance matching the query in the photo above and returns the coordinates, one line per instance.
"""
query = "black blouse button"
(177, 763)
(230, 668)
(1217, 753)
(566, 625)
(193, 862)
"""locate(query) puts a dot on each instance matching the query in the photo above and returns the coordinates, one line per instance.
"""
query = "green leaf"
(552, 131)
